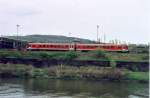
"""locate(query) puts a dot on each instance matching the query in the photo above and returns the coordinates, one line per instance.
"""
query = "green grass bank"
(91, 55)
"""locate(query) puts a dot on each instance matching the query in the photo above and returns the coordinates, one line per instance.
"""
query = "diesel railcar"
(76, 47)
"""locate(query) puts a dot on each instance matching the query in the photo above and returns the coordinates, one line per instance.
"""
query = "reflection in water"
(49, 88)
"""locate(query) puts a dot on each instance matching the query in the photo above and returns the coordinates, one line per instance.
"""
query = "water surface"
(50, 88)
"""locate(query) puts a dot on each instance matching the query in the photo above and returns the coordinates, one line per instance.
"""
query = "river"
(53, 88)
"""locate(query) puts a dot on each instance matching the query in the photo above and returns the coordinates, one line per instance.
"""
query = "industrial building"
(7, 43)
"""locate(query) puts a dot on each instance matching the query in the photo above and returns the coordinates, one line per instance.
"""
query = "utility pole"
(104, 37)
(70, 40)
(104, 34)
(17, 30)
(97, 33)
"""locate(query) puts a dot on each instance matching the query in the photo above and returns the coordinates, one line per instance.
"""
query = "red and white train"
(77, 47)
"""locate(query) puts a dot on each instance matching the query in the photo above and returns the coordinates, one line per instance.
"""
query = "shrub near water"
(17, 70)
(85, 72)
(71, 72)
(113, 63)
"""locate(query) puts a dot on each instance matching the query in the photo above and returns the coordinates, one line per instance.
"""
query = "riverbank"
(72, 72)
(93, 65)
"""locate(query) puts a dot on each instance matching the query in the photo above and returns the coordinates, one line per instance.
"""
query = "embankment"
(71, 72)
(130, 65)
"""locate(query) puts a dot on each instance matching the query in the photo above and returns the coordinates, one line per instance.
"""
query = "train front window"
(29, 45)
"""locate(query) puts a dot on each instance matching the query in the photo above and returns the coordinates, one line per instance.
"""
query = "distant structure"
(7, 43)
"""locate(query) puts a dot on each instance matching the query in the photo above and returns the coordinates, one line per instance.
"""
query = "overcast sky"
(127, 20)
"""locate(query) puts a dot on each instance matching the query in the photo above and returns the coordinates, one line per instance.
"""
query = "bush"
(46, 55)
(113, 63)
(43, 55)
(10, 54)
(39, 72)
(17, 70)
(4, 54)
(70, 55)
(99, 54)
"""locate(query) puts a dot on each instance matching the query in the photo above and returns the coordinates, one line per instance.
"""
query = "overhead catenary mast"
(17, 30)
(104, 36)
(97, 33)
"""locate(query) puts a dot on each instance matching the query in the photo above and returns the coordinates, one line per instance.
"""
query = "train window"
(79, 46)
(119, 47)
(91, 46)
(87, 46)
(58, 46)
(37, 46)
(104, 47)
(112, 46)
(33, 45)
(61, 46)
(83, 46)
(95, 46)
(108, 47)
(54, 46)
(66, 46)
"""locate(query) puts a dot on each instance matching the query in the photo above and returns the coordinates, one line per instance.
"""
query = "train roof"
(79, 44)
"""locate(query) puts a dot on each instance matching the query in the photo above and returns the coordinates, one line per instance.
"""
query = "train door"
(71, 46)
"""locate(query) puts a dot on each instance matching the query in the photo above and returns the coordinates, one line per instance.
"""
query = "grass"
(140, 76)
(16, 70)
(129, 56)
(91, 55)
(40, 54)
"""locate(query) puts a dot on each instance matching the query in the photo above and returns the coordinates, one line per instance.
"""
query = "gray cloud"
(127, 20)
(23, 12)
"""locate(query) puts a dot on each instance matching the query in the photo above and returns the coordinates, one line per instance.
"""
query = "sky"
(125, 20)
